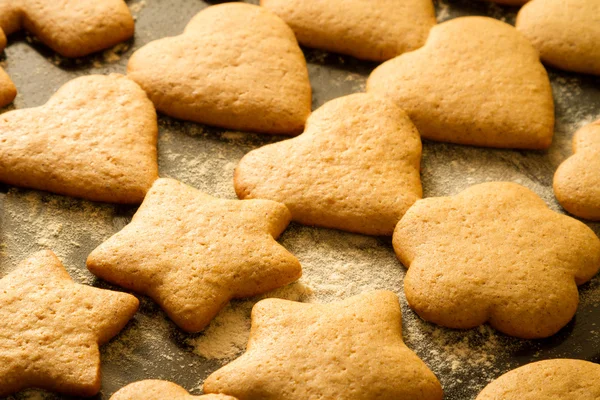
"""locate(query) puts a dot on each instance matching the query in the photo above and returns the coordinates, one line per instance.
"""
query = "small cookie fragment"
(72, 28)
(477, 81)
(226, 72)
(8, 91)
(356, 167)
(559, 379)
(192, 253)
(577, 180)
(357, 27)
(495, 253)
(51, 328)
(161, 390)
(349, 350)
(565, 32)
(95, 139)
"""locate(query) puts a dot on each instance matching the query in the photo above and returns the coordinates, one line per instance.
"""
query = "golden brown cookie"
(356, 27)
(8, 91)
(356, 167)
(495, 253)
(477, 81)
(160, 390)
(95, 139)
(192, 252)
(51, 328)
(565, 32)
(72, 28)
(349, 350)
(560, 379)
(227, 72)
(577, 180)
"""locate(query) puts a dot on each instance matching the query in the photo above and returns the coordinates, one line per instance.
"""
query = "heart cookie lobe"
(356, 167)
(94, 139)
(356, 27)
(565, 32)
(477, 81)
(225, 72)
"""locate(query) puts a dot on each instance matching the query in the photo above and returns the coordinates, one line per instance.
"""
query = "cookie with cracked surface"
(8, 91)
(577, 180)
(349, 350)
(225, 72)
(565, 32)
(356, 27)
(558, 379)
(507, 103)
(355, 168)
(495, 253)
(52, 327)
(192, 252)
(72, 28)
(159, 390)
(95, 139)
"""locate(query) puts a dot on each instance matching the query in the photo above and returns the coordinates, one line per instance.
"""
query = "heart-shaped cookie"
(355, 168)
(72, 28)
(8, 92)
(236, 66)
(577, 180)
(95, 139)
(566, 32)
(477, 81)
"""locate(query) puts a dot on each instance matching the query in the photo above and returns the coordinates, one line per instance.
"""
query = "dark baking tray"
(336, 264)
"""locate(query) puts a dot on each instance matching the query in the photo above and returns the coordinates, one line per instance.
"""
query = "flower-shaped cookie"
(349, 350)
(95, 139)
(495, 253)
(477, 81)
(565, 32)
(50, 328)
(577, 180)
(356, 167)
(161, 390)
(225, 71)
(192, 252)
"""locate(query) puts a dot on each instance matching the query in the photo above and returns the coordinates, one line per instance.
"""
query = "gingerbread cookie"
(477, 81)
(356, 167)
(72, 28)
(160, 390)
(192, 252)
(357, 28)
(577, 180)
(8, 91)
(560, 379)
(226, 72)
(495, 253)
(95, 139)
(565, 32)
(351, 349)
(51, 328)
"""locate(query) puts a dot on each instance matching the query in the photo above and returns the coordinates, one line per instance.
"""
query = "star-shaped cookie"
(161, 390)
(577, 180)
(8, 92)
(495, 253)
(349, 350)
(72, 28)
(192, 253)
(50, 328)
(356, 167)
(94, 139)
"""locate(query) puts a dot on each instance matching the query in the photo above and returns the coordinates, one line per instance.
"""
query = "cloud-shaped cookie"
(225, 71)
(355, 168)
(559, 379)
(577, 180)
(357, 28)
(94, 139)
(477, 81)
(566, 32)
(72, 28)
(161, 390)
(8, 91)
(495, 253)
